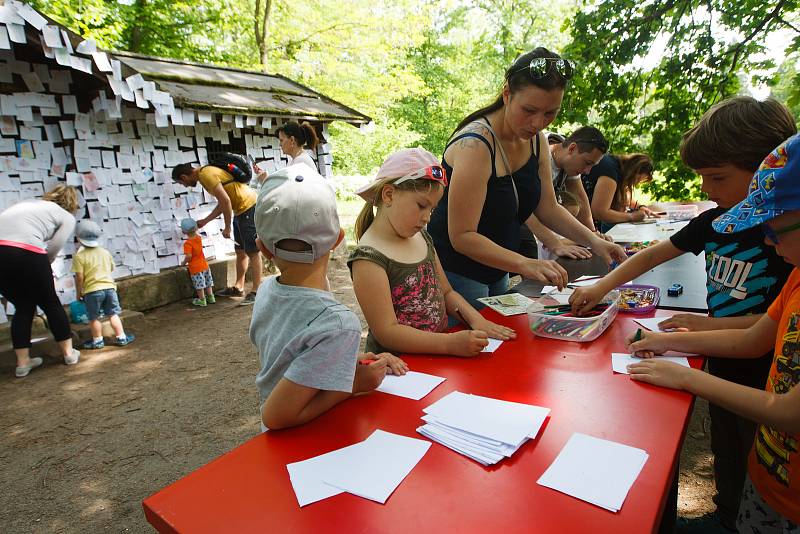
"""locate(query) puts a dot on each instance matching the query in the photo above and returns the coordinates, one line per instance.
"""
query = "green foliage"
(649, 70)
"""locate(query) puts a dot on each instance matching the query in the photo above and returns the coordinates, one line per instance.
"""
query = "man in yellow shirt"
(236, 203)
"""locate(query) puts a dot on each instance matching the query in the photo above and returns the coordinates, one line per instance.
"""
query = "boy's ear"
(341, 237)
(263, 249)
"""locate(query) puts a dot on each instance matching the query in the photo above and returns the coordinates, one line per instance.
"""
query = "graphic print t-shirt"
(774, 464)
(743, 276)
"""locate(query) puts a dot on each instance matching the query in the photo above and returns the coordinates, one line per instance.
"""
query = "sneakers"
(250, 298)
(211, 299)
(199, 302)
(73, 358)
(22, 371)
(92, 344)
(231, 292)
(122, 341)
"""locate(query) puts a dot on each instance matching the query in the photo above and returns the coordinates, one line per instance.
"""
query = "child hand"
(609, 251)
(368, 377)
(494, 330)
(466, 342)
(395, 365)
(661, 373)
(583, 299)
(689, 322)
(648, 345)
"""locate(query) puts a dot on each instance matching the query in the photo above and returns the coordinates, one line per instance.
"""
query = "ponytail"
(364, 220)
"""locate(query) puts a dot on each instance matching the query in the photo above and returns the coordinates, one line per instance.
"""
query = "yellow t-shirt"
(243, 197)
(95, 264)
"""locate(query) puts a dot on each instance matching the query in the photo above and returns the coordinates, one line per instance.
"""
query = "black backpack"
(233, 164)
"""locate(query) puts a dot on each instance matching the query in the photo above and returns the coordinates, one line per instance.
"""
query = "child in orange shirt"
(198, 266)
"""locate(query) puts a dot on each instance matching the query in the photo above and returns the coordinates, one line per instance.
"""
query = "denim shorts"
(103, 300)
(471, 290)
(244, 231)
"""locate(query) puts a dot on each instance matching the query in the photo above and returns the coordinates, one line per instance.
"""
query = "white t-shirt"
(306, 158)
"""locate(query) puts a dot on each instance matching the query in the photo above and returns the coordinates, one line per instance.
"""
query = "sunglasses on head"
(539, 67)
(772, 235)
(434, 172)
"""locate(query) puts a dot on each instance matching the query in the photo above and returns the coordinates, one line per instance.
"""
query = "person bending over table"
(570, 157)
(610, 185)
(494, 164)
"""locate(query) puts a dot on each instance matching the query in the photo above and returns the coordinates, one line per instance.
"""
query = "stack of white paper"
(412, 385)
(484, 429)
(595, 470)
(371, 469)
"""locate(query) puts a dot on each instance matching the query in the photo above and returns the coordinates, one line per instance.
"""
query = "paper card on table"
(620, 361)
(306, 478)
(585, 281)
(595, 470)
(493, 345)
(511, 304)
(412, 385)
(367, 473)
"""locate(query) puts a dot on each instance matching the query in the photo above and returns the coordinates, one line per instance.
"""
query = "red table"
(248, 489)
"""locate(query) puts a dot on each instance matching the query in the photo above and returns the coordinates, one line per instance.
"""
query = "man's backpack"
(233, 164)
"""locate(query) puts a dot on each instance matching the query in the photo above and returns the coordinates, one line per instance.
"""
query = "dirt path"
(82, 446)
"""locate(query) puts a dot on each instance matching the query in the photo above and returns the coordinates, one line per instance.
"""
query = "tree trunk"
(261, 27)
(138, 30)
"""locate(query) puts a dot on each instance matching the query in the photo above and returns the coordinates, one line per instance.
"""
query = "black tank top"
(500, 219)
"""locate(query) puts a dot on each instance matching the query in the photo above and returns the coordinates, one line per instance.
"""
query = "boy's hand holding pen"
(647, 344)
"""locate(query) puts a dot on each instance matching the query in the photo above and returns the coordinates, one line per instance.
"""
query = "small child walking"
(198, 266)
(397, 277)
(92, 265)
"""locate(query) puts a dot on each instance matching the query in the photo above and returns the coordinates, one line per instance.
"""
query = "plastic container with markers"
(568, 327)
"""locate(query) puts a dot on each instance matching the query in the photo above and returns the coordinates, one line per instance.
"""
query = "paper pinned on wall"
(52, 36)
(101, 60)
(31, 16)
(86, 47)
(5, 42)
(17, 35)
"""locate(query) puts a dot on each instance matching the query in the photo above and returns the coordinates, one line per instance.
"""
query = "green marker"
(638, 336)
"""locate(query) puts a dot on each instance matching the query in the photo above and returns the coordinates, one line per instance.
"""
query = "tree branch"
(295, 42)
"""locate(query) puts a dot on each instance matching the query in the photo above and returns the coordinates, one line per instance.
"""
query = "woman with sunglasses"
(610, 186)
(494, 162)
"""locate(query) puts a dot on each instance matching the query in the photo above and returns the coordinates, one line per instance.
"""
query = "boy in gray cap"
(92, 265)
(307, 341)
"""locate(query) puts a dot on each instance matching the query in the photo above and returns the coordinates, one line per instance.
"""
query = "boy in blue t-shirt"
(307, 341)
(744, 275)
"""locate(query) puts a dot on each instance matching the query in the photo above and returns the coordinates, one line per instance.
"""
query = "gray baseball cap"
(297, 203)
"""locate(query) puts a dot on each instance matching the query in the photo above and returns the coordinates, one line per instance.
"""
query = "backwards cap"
(297, 203)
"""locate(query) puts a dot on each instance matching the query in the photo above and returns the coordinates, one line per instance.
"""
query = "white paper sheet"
(621, 361)
(412, 385)
(493, 345)
(376, 469)
(306, 478)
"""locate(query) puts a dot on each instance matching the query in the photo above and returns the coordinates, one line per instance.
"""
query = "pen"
(638, 336)
(461, 318)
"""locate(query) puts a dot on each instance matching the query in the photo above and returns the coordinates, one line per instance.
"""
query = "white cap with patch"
(297, 203)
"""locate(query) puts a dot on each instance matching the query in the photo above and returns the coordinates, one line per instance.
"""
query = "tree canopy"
(646, 70)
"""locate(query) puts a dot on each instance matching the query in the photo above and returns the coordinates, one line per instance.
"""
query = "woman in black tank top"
(493, 164)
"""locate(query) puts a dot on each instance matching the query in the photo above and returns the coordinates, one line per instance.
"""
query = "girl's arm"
(458, 307)
(742, 344)
(554, 242)
(575, 186)
(698, 323)
(371, 286)
(79, 285)
(584, 299)
(779, 411)
(603, 197)
(472, 166)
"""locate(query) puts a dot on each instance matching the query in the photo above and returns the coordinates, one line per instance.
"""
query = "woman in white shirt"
(32, 233)
(295, 138)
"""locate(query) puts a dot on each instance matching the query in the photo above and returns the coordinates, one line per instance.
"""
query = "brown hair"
(304, 133)
(631, 167)
(65, 196)
(518, 77)
(367, 215)
(739, 131)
